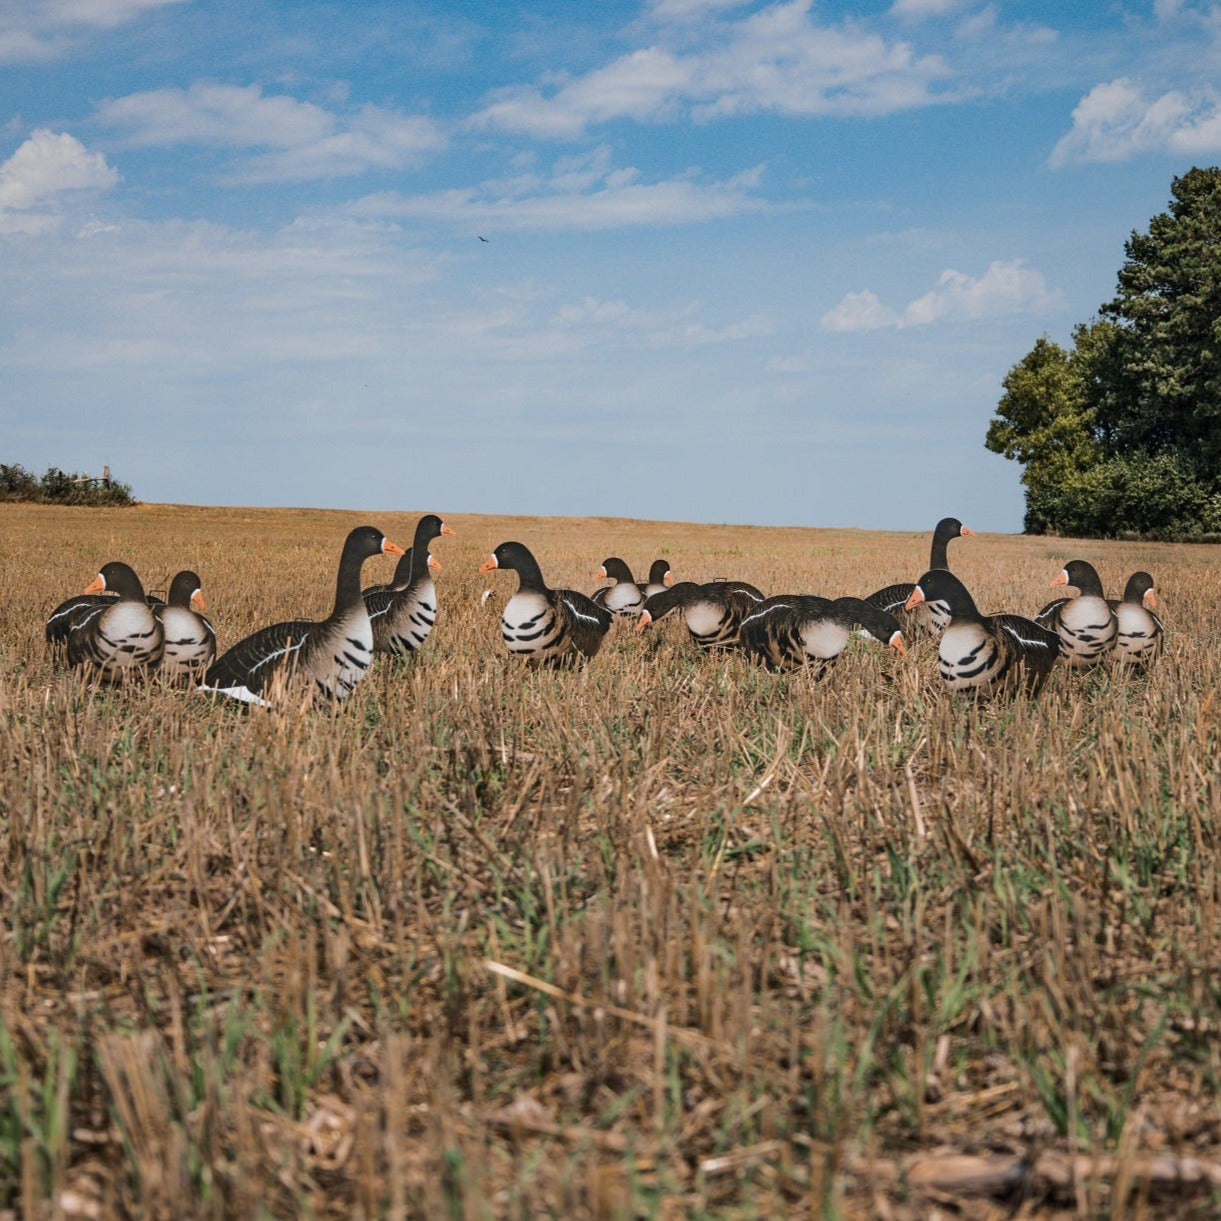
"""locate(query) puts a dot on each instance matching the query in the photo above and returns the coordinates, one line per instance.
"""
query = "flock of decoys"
(116, 631)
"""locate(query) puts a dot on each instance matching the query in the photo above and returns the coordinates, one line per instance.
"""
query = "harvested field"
(668, 936)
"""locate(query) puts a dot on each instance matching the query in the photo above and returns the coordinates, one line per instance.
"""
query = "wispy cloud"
(582, 193)
(920, 9)
(36, 178)
(684, 10)
(300, 140)
(1116, 121)
(36, 30)
(775, 60)
(679, 327)
(1004, 290)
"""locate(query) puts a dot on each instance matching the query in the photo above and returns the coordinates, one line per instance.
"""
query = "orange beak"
(432, 563)
(1150, 599)
(489, 564)
(447, 530)
(389, 548)
(1062, 579)
(896, 642)
(668, 579)
(97, 585)
(644, 621)
(197, 601)
(967, 531)
(914, 599)
(601, 572)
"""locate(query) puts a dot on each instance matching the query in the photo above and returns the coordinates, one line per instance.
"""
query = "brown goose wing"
(892, 598)
(246, 669)
(1031, 646)
(588, 622)
(73, 614)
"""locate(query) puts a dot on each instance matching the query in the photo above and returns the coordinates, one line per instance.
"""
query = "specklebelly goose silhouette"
(712, 612)
(802, 631)
(660, 578)
(1139, 639)
(1086, 625)
(985, 654)
(332, 655)
(190, 640)
(404, 615)
(110, 628)
(546, 626)
(927, 618)
(624, 597)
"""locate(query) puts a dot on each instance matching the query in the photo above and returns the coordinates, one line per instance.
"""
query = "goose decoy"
(800, 630)
(403, 615)
(190, 640)
(110, 627)
(985, 654)
(332, 654)
(660, 578)
(1139, 640)
(1086, 625)
(929, 618)
(69, 614)
(402, 575)
(546, 626)
(712, 612)
(625, 596)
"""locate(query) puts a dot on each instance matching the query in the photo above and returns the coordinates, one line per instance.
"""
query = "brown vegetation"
(666, 936)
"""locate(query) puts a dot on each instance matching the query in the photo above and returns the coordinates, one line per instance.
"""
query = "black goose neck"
(362, 543)
(947, 528)
(518, 557)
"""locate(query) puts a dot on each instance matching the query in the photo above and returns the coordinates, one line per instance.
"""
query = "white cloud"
(920, 9)
(685, 10)
(774, 60)
(584, 193)
(37, 30)
(699, 334)
(592, 312)
(861, 311)
(303, 141)
(34, 180)
(1004, 290)
(1115, 121)
(678, 327)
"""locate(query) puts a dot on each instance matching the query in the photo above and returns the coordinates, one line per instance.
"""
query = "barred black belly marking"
(402, 622)
(531, 627)
(1087, 629)
(1138, 638)
(970, 659)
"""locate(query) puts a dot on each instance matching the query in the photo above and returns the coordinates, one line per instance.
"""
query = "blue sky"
(744, 262)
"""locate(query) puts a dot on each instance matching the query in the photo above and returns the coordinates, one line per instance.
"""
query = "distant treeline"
(60, 488)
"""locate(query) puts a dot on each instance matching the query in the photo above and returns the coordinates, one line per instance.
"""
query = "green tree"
(1046, 422)
(1166, 392)
(1121, 434)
